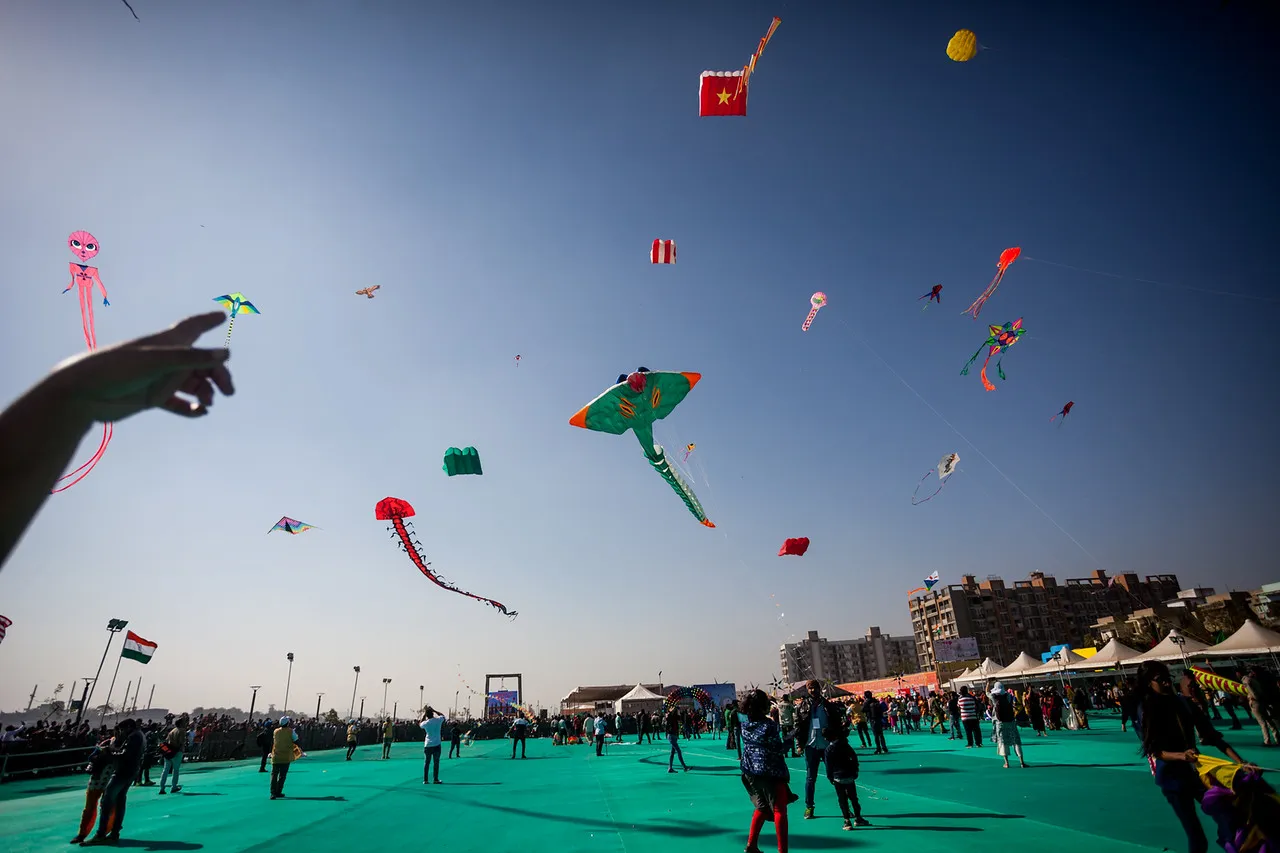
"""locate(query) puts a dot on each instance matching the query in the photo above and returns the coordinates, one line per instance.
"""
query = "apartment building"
(875, 655)
(1031, 615)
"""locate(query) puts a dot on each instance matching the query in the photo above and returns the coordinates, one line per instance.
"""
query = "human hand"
(1190, 756)
(109, 385)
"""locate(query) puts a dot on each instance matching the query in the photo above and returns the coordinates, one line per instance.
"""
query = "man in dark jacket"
(264, 742)
(131, 745)
(813, 717)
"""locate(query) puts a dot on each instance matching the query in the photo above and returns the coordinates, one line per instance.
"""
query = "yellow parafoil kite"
(963, 46)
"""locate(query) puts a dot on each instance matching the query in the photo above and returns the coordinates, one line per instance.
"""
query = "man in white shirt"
(602, 728)
(432, 725)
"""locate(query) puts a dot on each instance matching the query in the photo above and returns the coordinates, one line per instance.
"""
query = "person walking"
(432, 724)
(1007, 735)
(171, 751)
(764, 771)
(673, 737)
(283, 752)
(969, 718)
(455, 738)
(100, 769)
(353, 734)
(131, 744)
(873, 710)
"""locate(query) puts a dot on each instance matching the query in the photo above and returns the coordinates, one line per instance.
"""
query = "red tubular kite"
(794, 547)
(1066, 410)
(396, 510)
(1007, 257)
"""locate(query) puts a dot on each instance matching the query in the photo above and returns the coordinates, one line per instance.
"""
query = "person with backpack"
(1007, 736)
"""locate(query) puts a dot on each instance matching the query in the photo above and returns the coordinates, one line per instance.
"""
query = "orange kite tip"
(693, 378)
(707, 523)
(580, 419)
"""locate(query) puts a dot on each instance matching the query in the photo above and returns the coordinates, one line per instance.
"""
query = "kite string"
(965, 439)
(1185, 287)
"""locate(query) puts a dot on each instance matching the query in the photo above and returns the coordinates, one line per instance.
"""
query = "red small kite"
(794, 547)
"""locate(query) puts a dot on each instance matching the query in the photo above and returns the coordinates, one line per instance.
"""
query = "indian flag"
(136, 648)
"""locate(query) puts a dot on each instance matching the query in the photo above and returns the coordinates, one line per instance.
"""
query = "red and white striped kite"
(663, 252)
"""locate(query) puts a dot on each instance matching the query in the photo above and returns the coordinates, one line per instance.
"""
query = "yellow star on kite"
(724, 97)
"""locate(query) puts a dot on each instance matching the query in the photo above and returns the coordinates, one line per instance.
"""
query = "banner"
(501, 702)
(957, 648)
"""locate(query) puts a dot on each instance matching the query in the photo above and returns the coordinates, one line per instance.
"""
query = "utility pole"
(115, 626)
(31, 700)
(362, 698)
(354, 686)
(318, 696)
(395, 707)
(287, 682)
(254, 701)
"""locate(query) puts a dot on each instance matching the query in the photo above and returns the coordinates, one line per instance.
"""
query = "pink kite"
(1007, 257)
(85, 278)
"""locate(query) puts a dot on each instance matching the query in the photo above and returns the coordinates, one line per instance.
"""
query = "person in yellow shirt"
(352, 732)
(283, 751)
(388, 737)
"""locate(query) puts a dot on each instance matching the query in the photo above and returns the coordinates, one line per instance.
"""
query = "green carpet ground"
(1084, 791)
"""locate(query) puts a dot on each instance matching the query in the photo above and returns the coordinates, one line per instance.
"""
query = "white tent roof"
(640, 692)
(1252, 638)
(1113, 652)
(1021, 664)
(989, 667)
(1053, 667)
(1167, 649)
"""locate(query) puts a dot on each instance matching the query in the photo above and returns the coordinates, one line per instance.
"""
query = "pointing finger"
(186, 331)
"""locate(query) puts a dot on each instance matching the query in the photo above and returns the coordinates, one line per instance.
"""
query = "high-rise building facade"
(1032, 615)
(876, 655)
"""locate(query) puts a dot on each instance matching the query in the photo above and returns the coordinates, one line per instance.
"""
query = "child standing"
(764, 770)
(842, 772)
(100, 769)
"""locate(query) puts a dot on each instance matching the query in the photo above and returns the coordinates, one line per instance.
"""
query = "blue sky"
(500, 169)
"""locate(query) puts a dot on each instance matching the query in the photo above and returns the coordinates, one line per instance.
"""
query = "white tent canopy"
(1251, 639)
(1021, 664)
(1052, 667)
(639, 698)
(1112, 654)
(985, 671)
(1168, 649)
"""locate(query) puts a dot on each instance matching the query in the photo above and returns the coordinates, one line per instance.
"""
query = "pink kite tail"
(808, 321)
(84, 469)
(976, 308)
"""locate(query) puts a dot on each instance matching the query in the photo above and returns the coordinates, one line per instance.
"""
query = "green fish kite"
(634, 403)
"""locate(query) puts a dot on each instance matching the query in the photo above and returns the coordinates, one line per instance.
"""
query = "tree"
(332, 718)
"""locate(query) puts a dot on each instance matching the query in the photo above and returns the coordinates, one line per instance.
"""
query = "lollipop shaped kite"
(396, 511)
(817, 301)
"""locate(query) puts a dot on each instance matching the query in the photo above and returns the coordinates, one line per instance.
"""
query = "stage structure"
(500, 701)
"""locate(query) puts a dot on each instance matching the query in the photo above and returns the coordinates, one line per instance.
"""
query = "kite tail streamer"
(986, 383)
(750, 67)
(965, 371)
(229, 327)
(401, 531)
(915, 502)
(976, 308)
(84, 469)
(1000, 369)
(660, 464)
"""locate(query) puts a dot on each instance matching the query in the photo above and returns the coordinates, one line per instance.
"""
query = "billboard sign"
(956, 649)
(500, 701)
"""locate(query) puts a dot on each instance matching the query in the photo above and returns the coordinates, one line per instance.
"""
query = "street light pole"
(287, 682)
(362, 698)
(115, 626)
(421, 687)
(386, 683)
(254, 701)
(352, 712)
(455, 702)
(318, 697)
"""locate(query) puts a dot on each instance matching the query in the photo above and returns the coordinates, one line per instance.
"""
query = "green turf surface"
(1085, 791)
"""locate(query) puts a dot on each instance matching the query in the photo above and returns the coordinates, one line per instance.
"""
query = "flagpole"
(110, 689)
